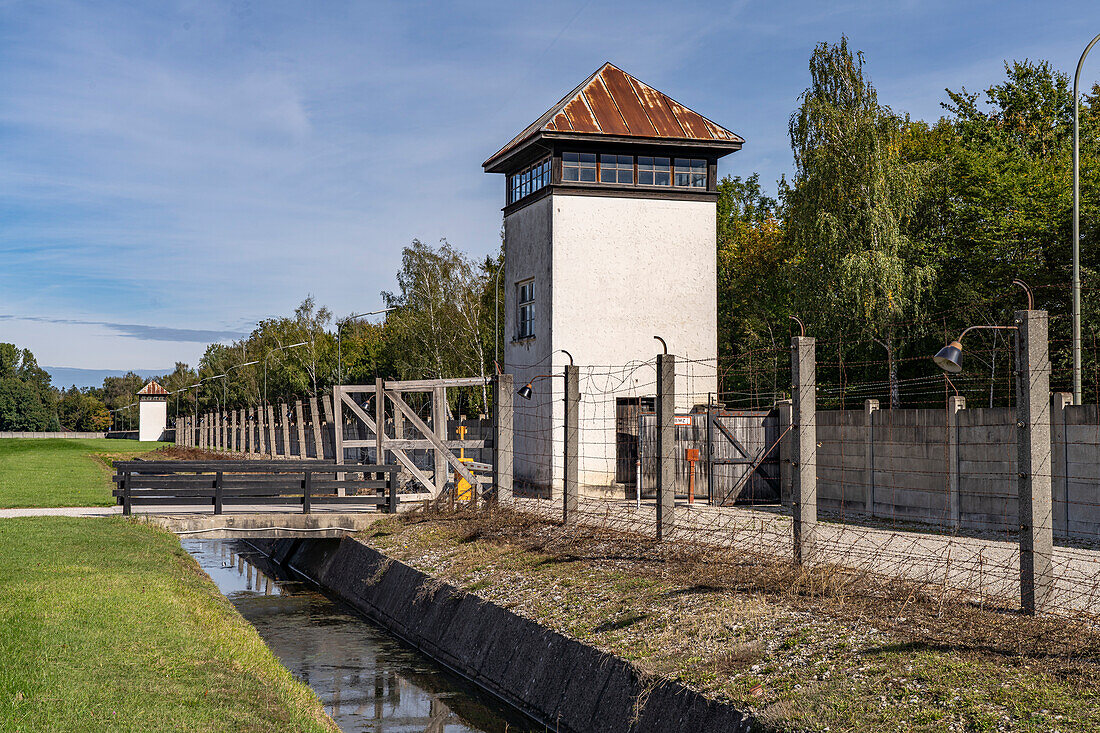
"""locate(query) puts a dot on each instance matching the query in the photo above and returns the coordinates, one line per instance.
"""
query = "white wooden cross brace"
(420, 425)
(399, 454)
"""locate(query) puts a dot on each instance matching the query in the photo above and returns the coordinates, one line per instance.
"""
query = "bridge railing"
(228, 483)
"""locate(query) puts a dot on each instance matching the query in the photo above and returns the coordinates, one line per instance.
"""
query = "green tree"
(753, 292)
(27, 399)
(441, 321)
(81, 411)
(848, 205)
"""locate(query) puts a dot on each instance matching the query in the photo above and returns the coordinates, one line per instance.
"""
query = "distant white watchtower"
(609, 229)
(152, 411)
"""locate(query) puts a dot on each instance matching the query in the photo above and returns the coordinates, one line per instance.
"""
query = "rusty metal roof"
(613, 103)
(153, 389)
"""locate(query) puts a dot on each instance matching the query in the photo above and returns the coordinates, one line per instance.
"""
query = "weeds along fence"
(997, 506)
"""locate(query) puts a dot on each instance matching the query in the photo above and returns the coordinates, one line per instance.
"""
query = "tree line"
(891, 236)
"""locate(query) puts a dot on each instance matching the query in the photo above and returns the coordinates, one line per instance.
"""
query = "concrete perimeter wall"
(922, 466)
(565, 684)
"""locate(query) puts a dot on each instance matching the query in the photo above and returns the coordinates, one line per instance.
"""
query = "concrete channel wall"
(566, 685)
(955, 467)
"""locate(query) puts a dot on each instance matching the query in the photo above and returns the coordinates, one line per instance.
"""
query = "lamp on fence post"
(570, 465)
(225, 384)
(1033, 462)
(279, 348)
(211, 379)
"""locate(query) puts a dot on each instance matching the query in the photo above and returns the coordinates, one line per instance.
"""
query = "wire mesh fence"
(927, 495)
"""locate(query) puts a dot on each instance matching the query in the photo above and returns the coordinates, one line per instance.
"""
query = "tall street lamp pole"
(339, 347)
(211, 379)
(1077, 229)
(280, 348)
(225, 384)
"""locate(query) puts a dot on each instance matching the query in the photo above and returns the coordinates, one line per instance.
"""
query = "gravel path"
(985, 569)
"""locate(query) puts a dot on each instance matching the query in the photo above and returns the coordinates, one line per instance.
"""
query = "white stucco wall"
(152, 418)
(610, 274)
(626, 270)
(527, 237)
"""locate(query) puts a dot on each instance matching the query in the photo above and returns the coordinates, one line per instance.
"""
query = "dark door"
(627, 410)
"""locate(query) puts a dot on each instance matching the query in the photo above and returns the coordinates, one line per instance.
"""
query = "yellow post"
(463, 490)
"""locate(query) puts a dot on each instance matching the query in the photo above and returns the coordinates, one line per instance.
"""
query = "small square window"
(654, 171)
(578, 167)
(691, 172)
(616, 169)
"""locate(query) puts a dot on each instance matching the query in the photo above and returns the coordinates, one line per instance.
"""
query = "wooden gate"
(739, 451)
(390, 435)
(627, 411)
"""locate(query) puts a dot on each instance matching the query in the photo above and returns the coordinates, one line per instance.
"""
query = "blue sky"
(172, 172)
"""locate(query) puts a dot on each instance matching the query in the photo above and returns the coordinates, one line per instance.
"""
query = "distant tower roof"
(612, 103)
(153, 389)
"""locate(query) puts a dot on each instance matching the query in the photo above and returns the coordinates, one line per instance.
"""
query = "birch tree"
(848, 205)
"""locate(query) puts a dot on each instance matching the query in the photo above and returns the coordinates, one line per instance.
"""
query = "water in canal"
(367, 679)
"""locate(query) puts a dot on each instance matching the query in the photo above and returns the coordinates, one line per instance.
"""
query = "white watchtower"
(609, 238)
(152, 411)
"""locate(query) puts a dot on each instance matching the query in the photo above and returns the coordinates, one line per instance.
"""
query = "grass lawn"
(108, 625)
(50, 472)
(774, 641)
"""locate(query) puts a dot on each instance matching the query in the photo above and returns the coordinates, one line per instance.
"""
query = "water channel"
(367, 679)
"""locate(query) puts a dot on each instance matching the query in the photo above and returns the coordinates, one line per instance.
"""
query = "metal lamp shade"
(525, 391)
(949, 358)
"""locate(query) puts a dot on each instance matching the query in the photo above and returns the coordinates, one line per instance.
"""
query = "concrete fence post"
(503, 436)
(955, 405)
(666, 444)
(234, 440)
(315, 418)
(870, 407)
(1060, 452)
(785, 408)
(284, 420)
(804, 457)
(571, 483)
(1033, 462)
(301, 424)
(261, 429)
(272, 445)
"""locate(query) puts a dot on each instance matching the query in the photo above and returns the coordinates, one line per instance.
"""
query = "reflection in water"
(367, 679)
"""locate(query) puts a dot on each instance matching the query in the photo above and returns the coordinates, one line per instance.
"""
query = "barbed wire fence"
(929, 495)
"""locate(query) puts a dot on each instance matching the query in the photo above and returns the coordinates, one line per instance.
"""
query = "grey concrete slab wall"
(843, 482)
(911, 462)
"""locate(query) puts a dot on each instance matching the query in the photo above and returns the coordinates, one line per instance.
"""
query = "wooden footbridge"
(216, 485)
